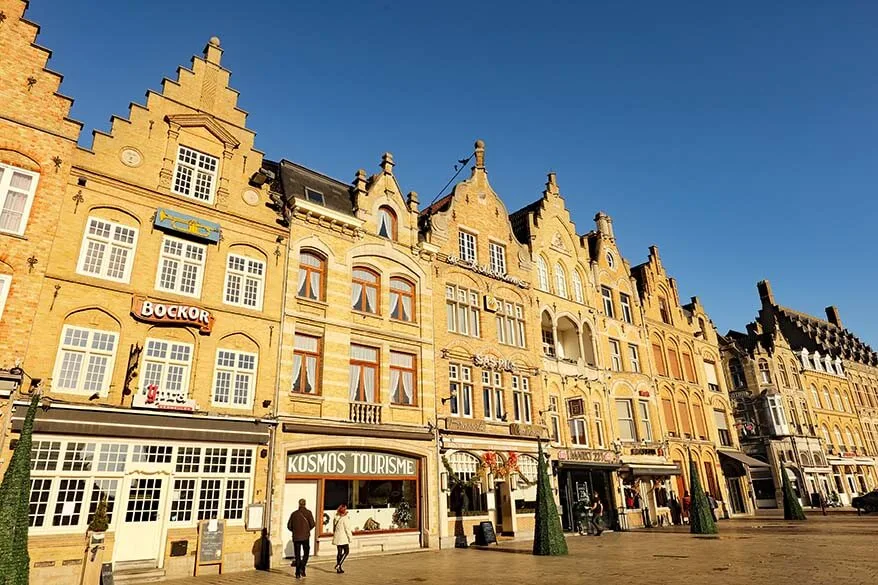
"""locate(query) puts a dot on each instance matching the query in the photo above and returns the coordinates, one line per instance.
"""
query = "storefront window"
(465, 497)
(373, 504)
(526, 493)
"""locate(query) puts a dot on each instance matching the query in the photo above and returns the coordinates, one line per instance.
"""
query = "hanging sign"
(176, 221)
(168, 313)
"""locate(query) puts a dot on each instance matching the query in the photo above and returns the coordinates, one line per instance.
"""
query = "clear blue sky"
(738, 137)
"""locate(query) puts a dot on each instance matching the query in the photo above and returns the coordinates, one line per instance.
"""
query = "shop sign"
(653, 451)
(465, 424)
(175, 221)
(489, 362)
(523, 430)
(485, 270)
(168, 313)
(351, 463)
(492, 304)
(589, 456)
(150, 398)
(644, 393)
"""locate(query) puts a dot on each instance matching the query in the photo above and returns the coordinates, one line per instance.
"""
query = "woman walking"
(341, 536)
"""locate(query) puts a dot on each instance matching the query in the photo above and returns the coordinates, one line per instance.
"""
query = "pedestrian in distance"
(301, 523)
(687, 502)
(713, 505)
(342, 535)
(597, 515)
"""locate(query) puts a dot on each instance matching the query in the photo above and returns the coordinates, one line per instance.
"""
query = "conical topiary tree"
(14, 499)
(548, 534)
(700, 518)
(100, 521)
(792, 509)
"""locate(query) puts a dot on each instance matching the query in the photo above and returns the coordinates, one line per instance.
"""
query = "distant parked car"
(867, 502)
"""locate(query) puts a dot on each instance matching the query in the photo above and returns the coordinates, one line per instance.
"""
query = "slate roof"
(520, 223)
(827, 337)
(295, 177)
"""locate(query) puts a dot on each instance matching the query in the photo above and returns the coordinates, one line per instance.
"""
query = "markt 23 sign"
(169, 313)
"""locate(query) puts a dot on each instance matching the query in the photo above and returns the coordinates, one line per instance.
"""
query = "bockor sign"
(158, 312)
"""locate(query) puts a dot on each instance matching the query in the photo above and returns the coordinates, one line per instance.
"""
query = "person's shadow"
(262, 552)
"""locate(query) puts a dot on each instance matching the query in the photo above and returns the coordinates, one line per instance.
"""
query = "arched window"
(664, 312)
(464, 495)
(846, 401)
(611, 261)
(402, 299)
(578, 295)
(560, 281)
(312, 276)
(364, 290)
(827, 401)
(836, 395)
(826, 438)
(839, 442)
(386, 223)
(17, 189)
(815, 396)
(764, 372)
(850, 438)
(794, 368)
(737, 373)
(542, 274)
(782, 370)
(599, 424)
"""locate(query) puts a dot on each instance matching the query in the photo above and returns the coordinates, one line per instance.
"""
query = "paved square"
(833, 549)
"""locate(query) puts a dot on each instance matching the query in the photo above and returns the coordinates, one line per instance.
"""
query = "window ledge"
(402, 321)
(314, 302)
(306, 397)
(16, 236)
(366, 314)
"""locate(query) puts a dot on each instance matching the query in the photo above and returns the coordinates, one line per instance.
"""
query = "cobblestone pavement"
(834, 549)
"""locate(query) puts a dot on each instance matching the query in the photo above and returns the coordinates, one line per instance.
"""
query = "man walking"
(597, 513)
(301, 523)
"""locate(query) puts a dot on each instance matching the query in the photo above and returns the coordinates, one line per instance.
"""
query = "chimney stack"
(833, 317)
(604, 224)
(765, 294)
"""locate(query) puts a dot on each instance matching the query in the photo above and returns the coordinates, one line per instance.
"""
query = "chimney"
(212, 52)
(765, 294)
(833, 317)
(604, 224)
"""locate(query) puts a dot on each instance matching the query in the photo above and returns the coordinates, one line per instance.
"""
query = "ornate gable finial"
(480, 154)
(387, 163)
(552, 184)
(212, 52)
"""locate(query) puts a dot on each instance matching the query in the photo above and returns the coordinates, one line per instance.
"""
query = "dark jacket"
(300, 523)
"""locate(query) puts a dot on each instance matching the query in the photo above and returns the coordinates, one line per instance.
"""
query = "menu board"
(210, 542)
(107, 574)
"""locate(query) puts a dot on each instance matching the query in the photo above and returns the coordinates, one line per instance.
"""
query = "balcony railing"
(365, 413)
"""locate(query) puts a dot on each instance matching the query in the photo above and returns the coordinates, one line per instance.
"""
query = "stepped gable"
(827, 337)
(30, 84)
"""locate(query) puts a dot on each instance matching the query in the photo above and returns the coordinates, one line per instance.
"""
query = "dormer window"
(314, 196)
(195, 174)
(611, 261)
(387, 223)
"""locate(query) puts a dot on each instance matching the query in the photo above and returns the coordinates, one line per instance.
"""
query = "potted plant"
(99, 523)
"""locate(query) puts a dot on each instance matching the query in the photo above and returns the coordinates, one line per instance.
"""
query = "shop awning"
(138, 424)
(653, 470)
(742, 458)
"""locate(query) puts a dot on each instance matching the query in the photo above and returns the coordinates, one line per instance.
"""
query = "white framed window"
(497, 254)
(107, 250)
(510, 324)
(625, 416)
(245, 281)
(463, 311)
(166, 365)
(314, 196)
(578, 295)
(542, 274)
(625, 302)
(195, 174)
(611, 261)
(17, 189)
(577, 422)
(645, 423)
(181, 267)
(492, 395)
(560, 281)
(467, 246)
(554, 419)
(634, 358)
(461, 387)
(63, 499)
(386, 223)
(599, 425)
(5, 285)
(615, 355)
(521, 399)
(607, 296)
(234, 379)
(85, 360)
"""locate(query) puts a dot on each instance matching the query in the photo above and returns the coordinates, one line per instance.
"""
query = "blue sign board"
(175, 221)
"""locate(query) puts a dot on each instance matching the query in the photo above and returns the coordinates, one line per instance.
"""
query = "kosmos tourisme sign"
(371, 463)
